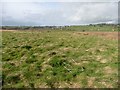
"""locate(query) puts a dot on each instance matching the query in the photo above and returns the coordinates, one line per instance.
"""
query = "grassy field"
(59, 59)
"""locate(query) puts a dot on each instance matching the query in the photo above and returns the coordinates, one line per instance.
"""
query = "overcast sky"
(61, 12)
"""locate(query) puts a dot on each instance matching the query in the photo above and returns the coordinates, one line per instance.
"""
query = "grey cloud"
(59, 13)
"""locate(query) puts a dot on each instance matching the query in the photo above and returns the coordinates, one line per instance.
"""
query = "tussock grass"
(58, 59)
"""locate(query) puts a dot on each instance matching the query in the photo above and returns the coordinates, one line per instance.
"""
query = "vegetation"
(58, 59)
(97, 27)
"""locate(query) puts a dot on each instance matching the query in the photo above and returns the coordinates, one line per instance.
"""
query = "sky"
(58, 12)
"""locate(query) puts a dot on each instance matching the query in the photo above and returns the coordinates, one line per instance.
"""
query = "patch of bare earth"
(70, 85)
(109, 35)
(91, 81)
(109, 70)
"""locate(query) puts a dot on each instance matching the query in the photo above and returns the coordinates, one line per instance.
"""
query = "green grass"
(93, 28)
(38, 59)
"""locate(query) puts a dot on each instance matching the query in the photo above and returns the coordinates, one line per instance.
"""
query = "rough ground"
(59, 59)
(109, 35)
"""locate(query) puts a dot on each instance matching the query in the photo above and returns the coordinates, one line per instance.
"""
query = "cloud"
(58, 13)
(59, 0)
(94, 13)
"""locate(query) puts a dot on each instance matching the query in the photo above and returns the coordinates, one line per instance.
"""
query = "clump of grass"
(57, 57)
(31, 59)
(26, 47)
(13, 79)
(56, 62)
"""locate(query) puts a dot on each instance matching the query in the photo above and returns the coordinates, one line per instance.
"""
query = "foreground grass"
(42, 59)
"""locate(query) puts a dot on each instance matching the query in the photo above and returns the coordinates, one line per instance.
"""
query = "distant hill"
(90, 27)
